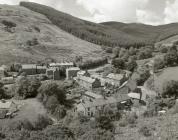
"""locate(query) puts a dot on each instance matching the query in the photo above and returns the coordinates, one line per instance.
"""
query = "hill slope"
(27, 36)
(152, 33)
(109, 33)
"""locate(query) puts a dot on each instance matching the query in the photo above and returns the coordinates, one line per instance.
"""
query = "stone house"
(72, 72)
(32, 69)
(7, 108)
(115, 79)
(53, 73)
(83, 73)
(65, 65)
(88, 82)
(8, 80)
(90, 96)
(90, 108)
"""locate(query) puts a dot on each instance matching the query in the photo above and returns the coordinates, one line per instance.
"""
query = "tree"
(144, 75)
(170, 89)
(158, 64)
(26, 87)
(48, 89)
(116, 51)
(132, 51)
(122, 52)
(2, 91)
(104, 122)
(171, 58)
(118, 63)
(131, 65)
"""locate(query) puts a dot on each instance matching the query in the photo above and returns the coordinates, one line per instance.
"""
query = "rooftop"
(5, 104)
(32, 66)
(74, 68)
(61, 64)
(87, 79)
(134, 95)
(115, 76)
(91, 94)
(102, 101)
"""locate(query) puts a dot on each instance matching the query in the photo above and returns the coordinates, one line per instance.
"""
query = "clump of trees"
(170, 89)
(8, 25)
(26, 87)
(2, 91)
(92, 63)
(53, 98)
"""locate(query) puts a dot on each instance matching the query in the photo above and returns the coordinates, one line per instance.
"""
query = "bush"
(159, 64)
(8, 24)
(145, 131)
(20, 124)
(32, 42)
(170, 89)
(42, 122)
(118, 63)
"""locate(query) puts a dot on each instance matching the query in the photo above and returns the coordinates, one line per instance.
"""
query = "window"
(88, 113)
(88, 109)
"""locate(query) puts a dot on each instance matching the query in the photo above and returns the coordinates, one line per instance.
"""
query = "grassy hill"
(28, 37)
(105, 33)
(149, 32)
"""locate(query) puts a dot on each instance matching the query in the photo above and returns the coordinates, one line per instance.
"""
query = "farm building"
(90, 96)
(88, 82)
(72, 72)
(53, 73)
(7, 107)
(89, 108)
(32, 69)
(83, 73)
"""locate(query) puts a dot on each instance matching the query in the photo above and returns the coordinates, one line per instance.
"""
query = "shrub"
(20, 124)
(42, 122)
(8, 24)
(170, 89)
(145, 131)
(118, 63)
(32, 42)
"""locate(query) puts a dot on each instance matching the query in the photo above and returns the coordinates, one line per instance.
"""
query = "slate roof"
(134, 95)
(87, 79)
(91, 94)
(61, 64)
(102, 101)
(117, 77)
(74, 68)
(5, 104)
(32, 66)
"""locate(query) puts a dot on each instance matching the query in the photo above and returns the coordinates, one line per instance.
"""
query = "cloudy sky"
(143, 11)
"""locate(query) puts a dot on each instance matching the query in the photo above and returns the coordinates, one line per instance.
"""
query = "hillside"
(27, 37)
(92, 32)
(105, 33)
(152, 33)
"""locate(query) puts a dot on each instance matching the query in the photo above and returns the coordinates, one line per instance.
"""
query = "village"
(98, 90)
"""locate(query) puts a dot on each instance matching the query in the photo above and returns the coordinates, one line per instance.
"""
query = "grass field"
(167, 74)
(29, 109)
(161, 128)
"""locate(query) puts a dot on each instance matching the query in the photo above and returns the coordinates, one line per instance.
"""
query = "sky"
(153, 12)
